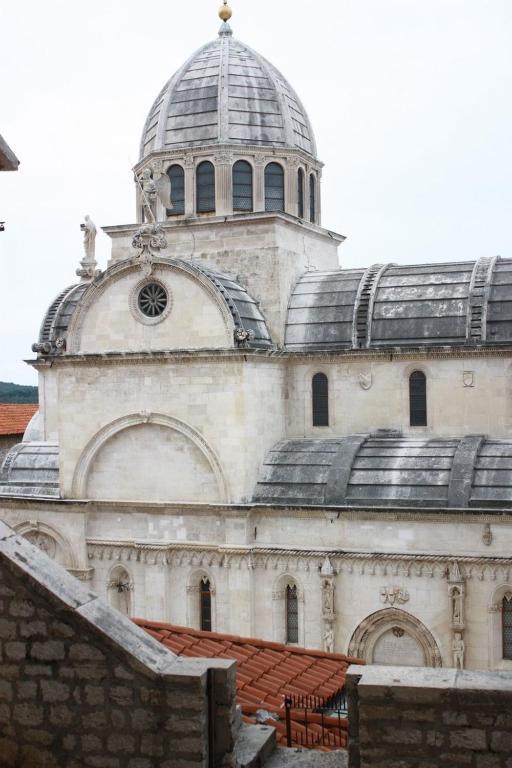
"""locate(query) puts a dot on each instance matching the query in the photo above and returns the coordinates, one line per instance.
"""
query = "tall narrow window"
(242, 186)
(205, 187)
(312, 198)
(320, 390)
(176, 176)
(274, 187)
(507, 627)
(206, 605)
(300, 193)
(418, 399)
(292, 615)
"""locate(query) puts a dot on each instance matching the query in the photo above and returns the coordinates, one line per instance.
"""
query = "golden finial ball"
(225, 12)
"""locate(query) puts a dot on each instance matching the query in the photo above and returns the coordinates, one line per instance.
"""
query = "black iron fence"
(316, 722)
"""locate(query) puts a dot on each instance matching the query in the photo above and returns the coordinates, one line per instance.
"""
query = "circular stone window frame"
(134, 302)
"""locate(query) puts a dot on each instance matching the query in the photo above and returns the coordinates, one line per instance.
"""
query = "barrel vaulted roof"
(365, 470)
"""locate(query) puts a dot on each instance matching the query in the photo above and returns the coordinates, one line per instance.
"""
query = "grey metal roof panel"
(31, 469)
(236, 93)
(361, 470)
(412, 305)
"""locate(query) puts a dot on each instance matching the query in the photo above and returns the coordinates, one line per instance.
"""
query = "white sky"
(411, 102)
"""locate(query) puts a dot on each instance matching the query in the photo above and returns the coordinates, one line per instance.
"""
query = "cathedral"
(235, 434)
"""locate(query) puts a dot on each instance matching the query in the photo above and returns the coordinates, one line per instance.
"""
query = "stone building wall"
(81, 686)
(7, 442)
(421, 718)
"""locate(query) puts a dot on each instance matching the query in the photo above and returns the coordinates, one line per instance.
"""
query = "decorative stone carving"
(189, 161)
(148, 190)
(223, 159)
(149, 239)
(487, 535)
(87, 269)
(366, 380)
(393, 595)
(242, 337)
(456, 593)
(157, 167)
(458, 648)
(328, 638)
(328, 599)
(468, 378)
(44, 542)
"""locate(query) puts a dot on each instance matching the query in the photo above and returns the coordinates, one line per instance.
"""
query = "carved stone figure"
(458, 648)
(327, 598)
(148, 194)
(329, 639)
(87, 269)
(456, 606)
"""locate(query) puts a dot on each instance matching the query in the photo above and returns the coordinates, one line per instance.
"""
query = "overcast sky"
(410, 100)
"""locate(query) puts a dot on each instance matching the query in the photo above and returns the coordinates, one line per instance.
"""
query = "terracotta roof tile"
(266, 673)
(14, 417)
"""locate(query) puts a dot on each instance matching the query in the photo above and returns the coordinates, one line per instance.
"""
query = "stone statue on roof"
(87, 270)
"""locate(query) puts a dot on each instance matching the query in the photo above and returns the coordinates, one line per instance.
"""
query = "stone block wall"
(82, 686)
(406, 717)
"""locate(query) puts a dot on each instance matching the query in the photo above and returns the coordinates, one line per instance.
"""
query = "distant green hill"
(17, 393)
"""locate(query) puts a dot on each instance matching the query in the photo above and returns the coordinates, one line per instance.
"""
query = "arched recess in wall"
(201, 601)
(120, 589)
(395, 637)
(288, 610)
(50, 541)
(150, 457)
(500, 631)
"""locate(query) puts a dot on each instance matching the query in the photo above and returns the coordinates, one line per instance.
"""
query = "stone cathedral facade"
(237, 434)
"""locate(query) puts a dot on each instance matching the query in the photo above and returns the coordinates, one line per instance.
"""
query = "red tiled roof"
(266, 673)
(14, 417)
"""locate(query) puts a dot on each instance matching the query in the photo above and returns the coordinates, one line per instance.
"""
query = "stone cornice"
(272, 355)
(254, 556)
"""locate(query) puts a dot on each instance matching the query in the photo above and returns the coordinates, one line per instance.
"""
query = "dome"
(226, 93)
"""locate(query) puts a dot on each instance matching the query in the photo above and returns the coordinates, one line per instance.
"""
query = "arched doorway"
(395, 637)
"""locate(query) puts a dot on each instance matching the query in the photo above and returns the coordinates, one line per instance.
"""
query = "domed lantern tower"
(228, 135)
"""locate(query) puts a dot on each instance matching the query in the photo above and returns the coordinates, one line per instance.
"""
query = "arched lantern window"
(205, 187)
(176, 176)
(507, 626)
(320, 397)
(205, 605)
(312, 198)
(300, 193)
(292, 614)
(274, 187)
(418, 399)
(242, 186)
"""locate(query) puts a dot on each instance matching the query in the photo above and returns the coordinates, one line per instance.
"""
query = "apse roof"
(31, 469)
(456, 303)
(226, 93)
(389, 471)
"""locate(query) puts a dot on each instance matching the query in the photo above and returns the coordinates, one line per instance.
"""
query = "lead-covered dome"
(226, 93)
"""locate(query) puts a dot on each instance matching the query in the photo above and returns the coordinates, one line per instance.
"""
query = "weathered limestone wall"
(80, 685)
(7, 442)
(265, 252)
(453, 408)
(421, 718)
(232, 411)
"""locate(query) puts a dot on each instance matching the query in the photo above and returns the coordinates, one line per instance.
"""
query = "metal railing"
(316, 722)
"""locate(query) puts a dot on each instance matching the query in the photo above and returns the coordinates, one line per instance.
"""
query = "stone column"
(223, 185)
(291, 200)
(259, 183)
(328, 612)
(319, 198)
(190, 184)
(456, 593)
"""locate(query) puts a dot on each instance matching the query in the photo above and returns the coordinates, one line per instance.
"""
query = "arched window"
(312, 198)
(418, 399)
(242, 186)
(205, 187)
(205, 598)
(274, 187)
(507, 627)
(176, 175)
(300, 193)
(292, 614)
(320, 391)
(119, 588)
